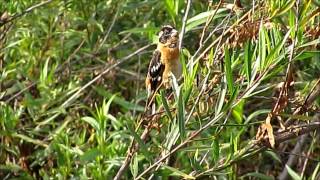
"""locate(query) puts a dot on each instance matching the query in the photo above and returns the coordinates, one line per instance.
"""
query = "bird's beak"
(175, 34)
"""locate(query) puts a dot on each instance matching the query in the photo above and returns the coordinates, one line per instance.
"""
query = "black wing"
(155, 70)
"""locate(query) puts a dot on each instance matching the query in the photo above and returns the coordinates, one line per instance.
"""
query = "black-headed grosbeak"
(165, 61)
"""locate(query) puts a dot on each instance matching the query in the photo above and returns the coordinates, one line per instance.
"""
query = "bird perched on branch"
(164, 62)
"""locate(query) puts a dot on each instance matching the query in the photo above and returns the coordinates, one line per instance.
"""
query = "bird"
(164, 62)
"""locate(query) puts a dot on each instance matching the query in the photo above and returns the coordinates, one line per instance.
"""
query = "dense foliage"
(72, 91)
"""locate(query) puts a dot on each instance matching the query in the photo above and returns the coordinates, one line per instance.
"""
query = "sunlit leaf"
(293, 174)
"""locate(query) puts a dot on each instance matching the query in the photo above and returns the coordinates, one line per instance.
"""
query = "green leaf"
(306, 18)
(166, 106)
(172, 136)
(137, 138)
(106, 107)
(262, 47)
(202, 18)
(284, 9)
(231, 147)
(11, 45)
(221, 97)
(215, 150)
(118, 100)
(180, 106)
(237, 111)
(303, 14)
(247, 60)
(273, 156)
(176, 172)
(93, 122)
(29, 139)
(306, 55)
(310, 43)
(316, 172)
(134, 166)
(276, 50)
(44, 72)
(10, 167)
(257, 113)
(292, 22)
(170, 7)
(90, 155)
(293, 174)
(228, 70)
(181, 115)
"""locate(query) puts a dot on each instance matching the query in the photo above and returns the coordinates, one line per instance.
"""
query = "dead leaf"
(269, 129)
(266, 130)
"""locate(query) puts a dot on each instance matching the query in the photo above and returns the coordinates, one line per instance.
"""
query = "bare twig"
(109, 30)
(220, 37)
(184, 21)
(298, 131)
(311, 97)
(20, 92)
(300, 144)
(30, 9)
(209, 19)
(133, 149)
(74, 96)
(282, 100)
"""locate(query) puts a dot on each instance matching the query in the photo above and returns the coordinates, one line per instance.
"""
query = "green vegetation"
(72, 91)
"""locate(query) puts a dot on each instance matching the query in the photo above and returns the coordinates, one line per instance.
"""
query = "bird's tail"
(153, 108)
(150, 104)
(151, 99)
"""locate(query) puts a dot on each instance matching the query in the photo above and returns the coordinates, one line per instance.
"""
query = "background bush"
(72, 88)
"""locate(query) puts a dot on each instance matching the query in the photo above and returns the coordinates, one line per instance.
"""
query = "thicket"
(72, 95)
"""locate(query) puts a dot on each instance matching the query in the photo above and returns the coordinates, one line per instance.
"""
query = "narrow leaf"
(166, 106)
(176, 172)
(92, 122)
(228, 70)
(293, 174)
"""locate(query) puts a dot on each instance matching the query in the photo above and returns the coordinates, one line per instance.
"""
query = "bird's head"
(169, 36)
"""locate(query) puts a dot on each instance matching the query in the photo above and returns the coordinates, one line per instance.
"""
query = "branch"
(74, 96)
(299, 130)
(300, 144)
(184, 23)
(209, 19)
(30, 9)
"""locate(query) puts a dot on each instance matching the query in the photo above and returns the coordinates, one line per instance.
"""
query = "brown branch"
(302, 130)
(311, 97)
(297, 131)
